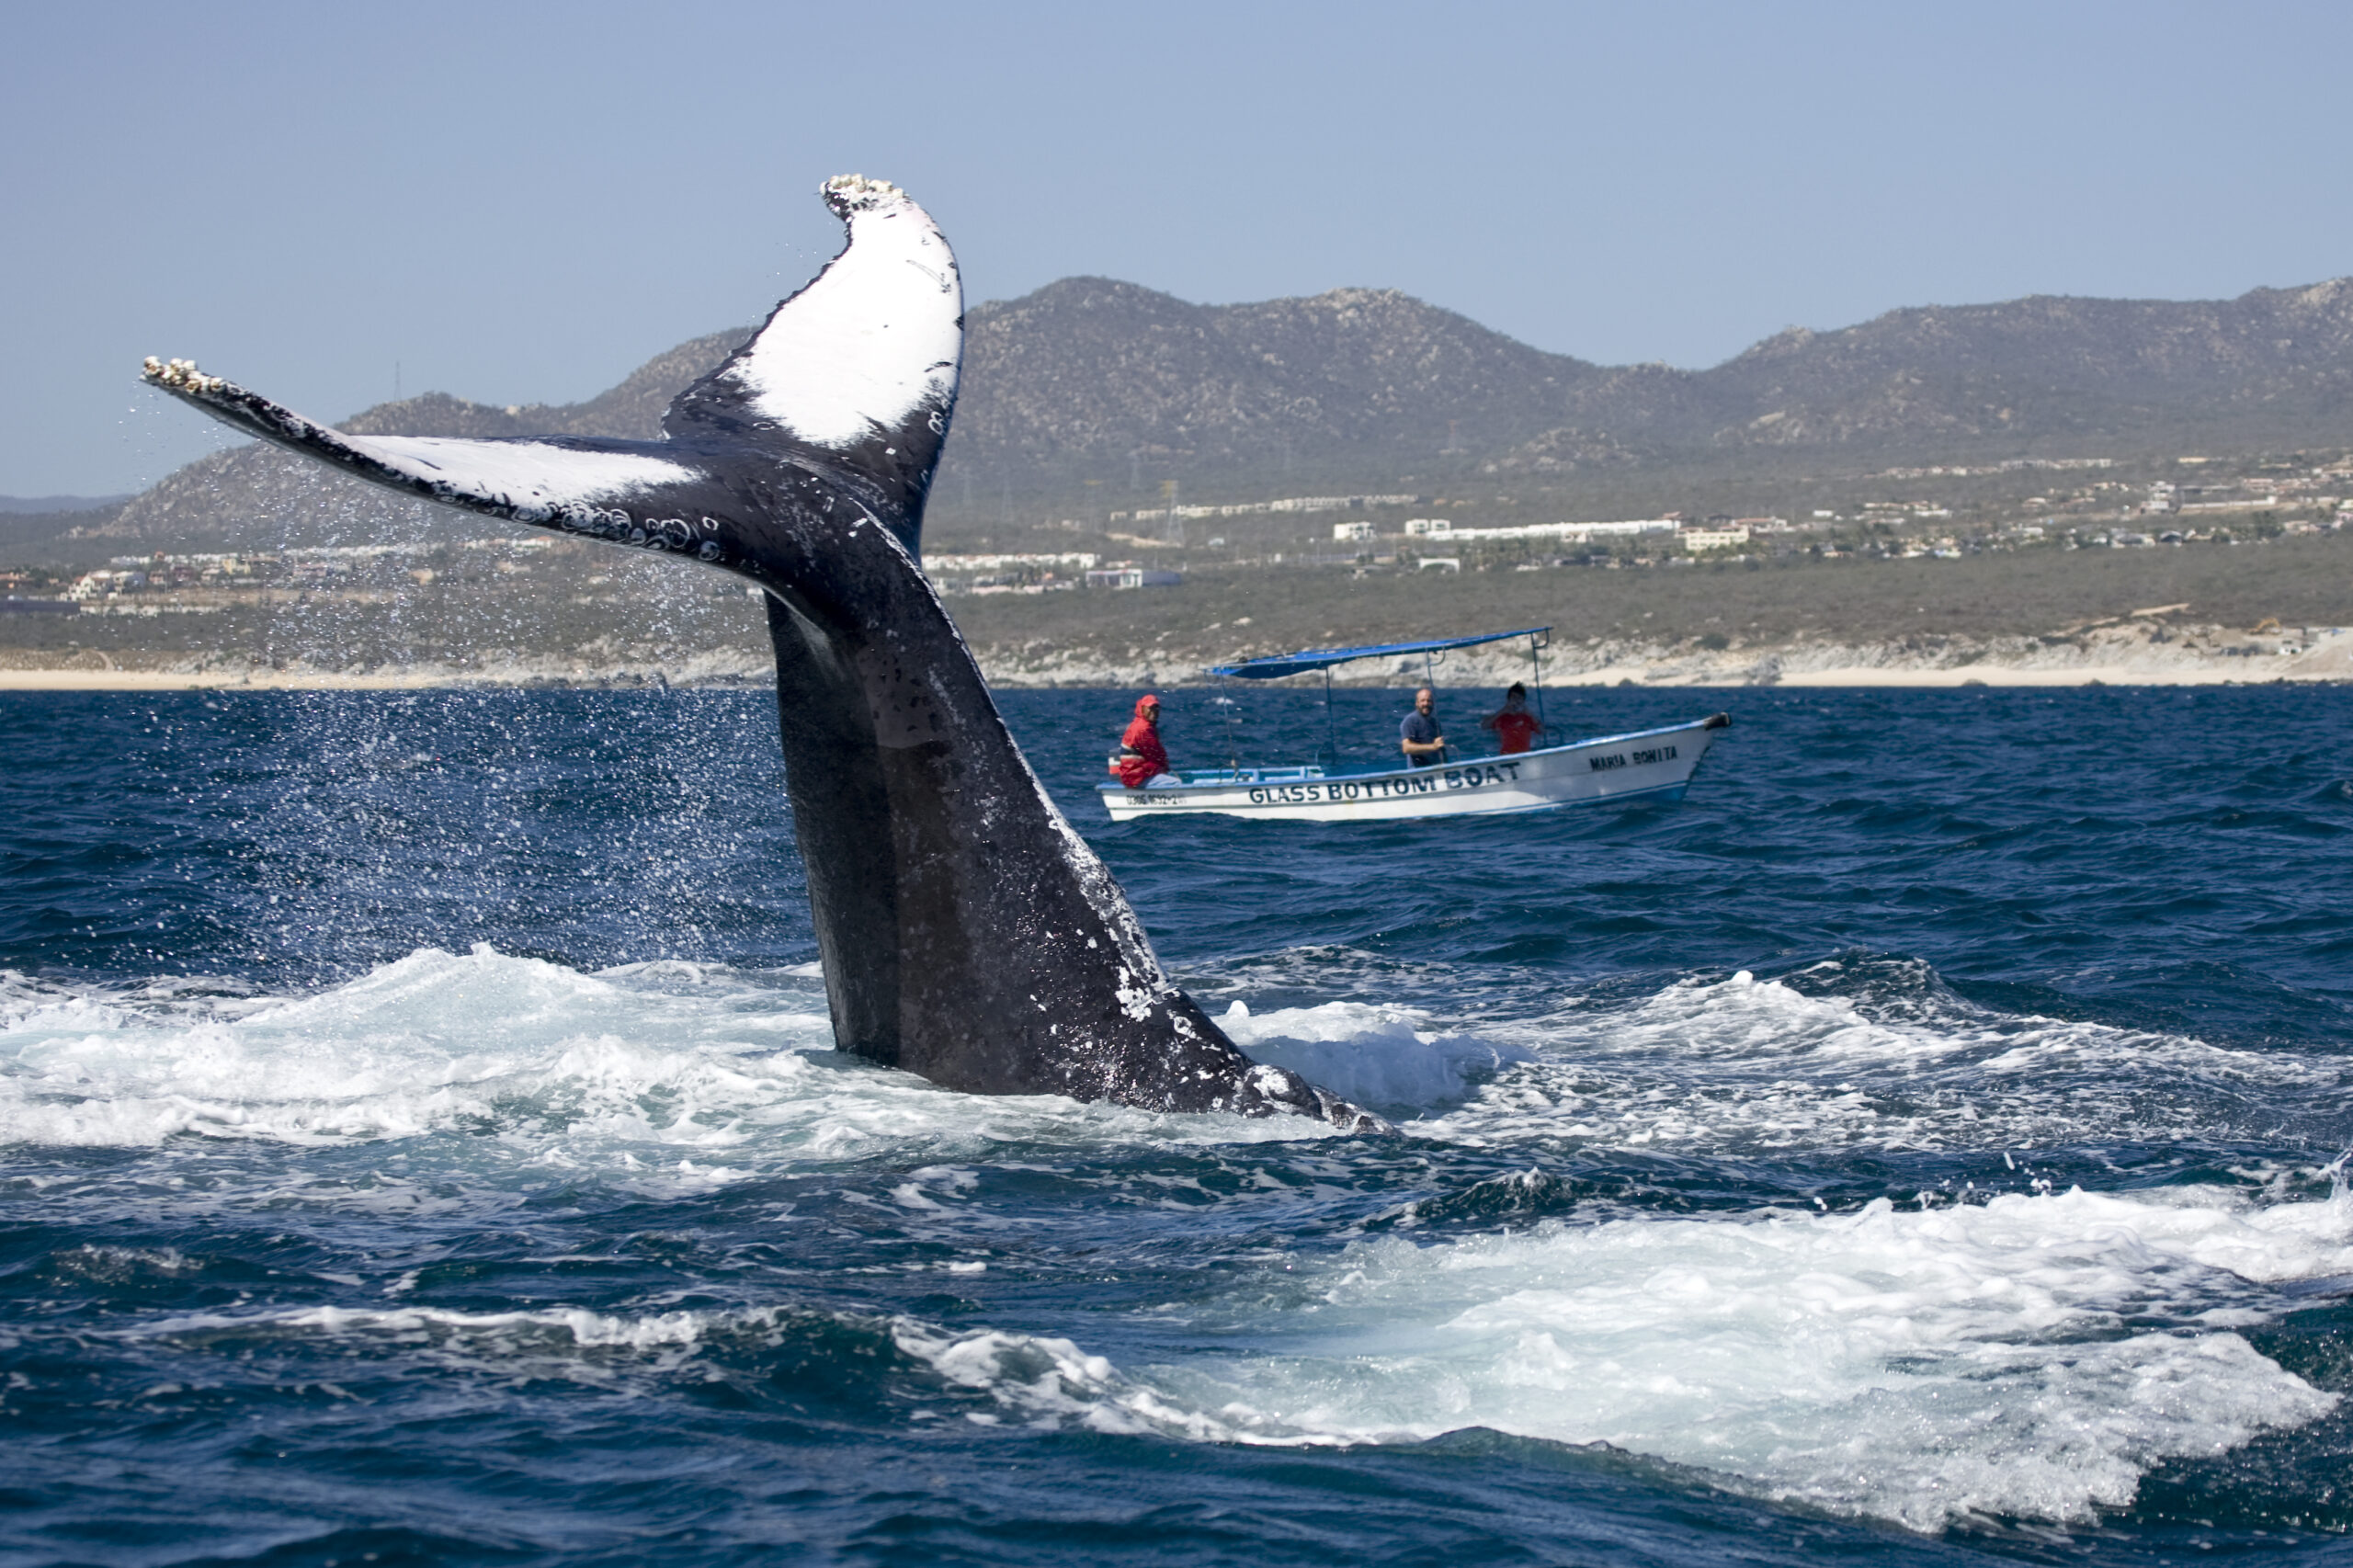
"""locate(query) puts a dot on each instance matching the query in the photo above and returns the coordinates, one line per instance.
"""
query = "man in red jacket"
(1142, 757)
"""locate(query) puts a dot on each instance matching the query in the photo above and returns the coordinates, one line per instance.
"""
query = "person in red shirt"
(1142, 757)
(1515, 726)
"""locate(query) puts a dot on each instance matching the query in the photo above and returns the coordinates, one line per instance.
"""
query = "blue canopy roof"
(1310, 659)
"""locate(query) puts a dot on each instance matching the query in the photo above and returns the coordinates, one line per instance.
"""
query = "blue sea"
(421, 1141)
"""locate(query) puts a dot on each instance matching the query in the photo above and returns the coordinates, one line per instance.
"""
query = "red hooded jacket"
(1141, 755)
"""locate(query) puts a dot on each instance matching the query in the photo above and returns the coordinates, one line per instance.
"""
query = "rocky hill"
(1089, 392)
(1090, 373)
(2276, 364)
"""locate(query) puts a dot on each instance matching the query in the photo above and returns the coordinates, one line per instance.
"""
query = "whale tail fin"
(532, 479)
(858, 369)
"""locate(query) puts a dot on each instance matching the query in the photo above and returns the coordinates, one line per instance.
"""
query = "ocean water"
(420, 1141)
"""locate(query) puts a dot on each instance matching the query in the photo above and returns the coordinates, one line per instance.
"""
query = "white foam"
(1916, 1367)
(669, 1076)
(700, 1057)
(1741, 1063)
(559, 1326)
(1047, 1383)
(1372, 1056)
(428, 1042)
(1748, 1024)
(570, 1343)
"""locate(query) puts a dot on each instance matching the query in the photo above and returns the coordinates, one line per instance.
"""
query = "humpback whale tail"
(968, 933)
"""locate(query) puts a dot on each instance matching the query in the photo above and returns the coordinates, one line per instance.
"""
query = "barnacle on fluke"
(179, 375)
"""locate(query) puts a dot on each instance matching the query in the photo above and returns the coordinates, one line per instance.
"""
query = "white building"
(1133, 578)
(1423, 526)
(1730, 537)
(1069, 561)
(98, 585)
(1571, 531)
(1353, 530)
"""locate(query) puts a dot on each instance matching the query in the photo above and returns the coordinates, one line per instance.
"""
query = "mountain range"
(1090, 393)
(1086, 376)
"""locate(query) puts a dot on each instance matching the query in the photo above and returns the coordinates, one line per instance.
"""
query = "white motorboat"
(1642, 764)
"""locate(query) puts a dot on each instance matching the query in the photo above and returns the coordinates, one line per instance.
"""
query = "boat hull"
(1648, 765)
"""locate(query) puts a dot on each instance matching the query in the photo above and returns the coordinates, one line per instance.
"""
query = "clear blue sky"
(518, 202)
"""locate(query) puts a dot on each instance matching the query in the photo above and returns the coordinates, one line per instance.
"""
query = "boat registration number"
(1643, 758)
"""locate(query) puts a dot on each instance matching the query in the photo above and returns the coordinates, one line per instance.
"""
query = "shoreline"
(2095, 662)
(2146, 648)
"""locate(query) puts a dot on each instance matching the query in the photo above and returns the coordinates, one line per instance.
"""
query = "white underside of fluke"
(533, 477)
(526, 471)
(878, 334)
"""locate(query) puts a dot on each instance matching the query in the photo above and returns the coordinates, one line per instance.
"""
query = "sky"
(520, 202)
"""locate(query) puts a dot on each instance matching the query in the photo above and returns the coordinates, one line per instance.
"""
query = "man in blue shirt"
(1423, 740)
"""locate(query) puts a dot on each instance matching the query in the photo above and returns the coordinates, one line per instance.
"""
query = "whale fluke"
(968, 933)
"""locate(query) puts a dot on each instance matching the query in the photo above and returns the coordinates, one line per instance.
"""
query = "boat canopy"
(1274, 666)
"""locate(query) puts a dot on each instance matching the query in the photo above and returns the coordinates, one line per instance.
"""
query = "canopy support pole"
(1430, 679)
(1232, 746)
(1331, 729)
(1536, 658)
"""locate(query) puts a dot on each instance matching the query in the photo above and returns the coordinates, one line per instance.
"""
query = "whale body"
(967, 933)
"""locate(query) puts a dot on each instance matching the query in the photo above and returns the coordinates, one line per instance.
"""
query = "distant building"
(1069, 561)
(1581, 532)
(1345, 531)
(97, 585)
(1132, 577)
(1292, 503)
(1422, 525)
(2164, 497)
(1731, 536)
